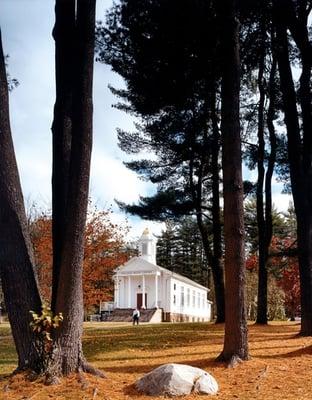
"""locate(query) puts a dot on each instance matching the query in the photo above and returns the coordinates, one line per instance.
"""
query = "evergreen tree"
(293, 16)
(177, 103)
(180, 250)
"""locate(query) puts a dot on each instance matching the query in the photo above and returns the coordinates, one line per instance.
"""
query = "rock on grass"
(177, 380)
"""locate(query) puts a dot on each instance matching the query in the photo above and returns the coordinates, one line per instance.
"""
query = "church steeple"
(147, 246)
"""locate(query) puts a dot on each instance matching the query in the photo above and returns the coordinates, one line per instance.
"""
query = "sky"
(26, 33)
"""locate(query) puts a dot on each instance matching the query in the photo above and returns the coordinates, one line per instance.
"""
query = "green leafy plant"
(44, 323)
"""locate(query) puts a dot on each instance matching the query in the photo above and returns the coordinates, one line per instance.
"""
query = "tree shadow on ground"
(150, 357)
(205, 363)
(306, 350)
(272, 337)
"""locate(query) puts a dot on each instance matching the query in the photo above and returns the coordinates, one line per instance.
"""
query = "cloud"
(110, 180)
(137, 225)
(282, 201)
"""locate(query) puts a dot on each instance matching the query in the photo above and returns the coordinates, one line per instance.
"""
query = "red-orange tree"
(41, 237)
(105, 250)
(289, 279)
(285, 268)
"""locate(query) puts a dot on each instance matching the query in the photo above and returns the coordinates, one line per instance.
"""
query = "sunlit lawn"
(280, 368)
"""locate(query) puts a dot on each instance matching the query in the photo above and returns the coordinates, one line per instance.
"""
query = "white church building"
(140, 283)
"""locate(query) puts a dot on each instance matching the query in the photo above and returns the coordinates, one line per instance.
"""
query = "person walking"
(136, 317)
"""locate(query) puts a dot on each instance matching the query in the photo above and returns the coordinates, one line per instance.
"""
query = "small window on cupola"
(144, 249)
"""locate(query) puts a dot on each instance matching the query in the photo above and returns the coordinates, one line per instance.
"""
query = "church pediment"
(137, 265)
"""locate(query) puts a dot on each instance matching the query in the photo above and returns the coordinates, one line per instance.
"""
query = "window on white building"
(203, 296)
(174, 299)
(144, 249)
(182, 296)
(198, 300)
(174, 286)
(194, 298)
(188, 297)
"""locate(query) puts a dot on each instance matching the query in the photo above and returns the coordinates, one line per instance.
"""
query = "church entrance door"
(140, 300)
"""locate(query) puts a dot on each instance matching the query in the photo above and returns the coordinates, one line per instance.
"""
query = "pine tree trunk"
(263, 275)
(216, 269)
(16, 256)
(271, 160)
(67, 355)
(305, 225)
(216, 219)
(65, 64)
(213, 257)
(235, 340)
(300, 154)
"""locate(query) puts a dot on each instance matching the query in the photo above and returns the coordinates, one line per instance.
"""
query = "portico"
(135, 289)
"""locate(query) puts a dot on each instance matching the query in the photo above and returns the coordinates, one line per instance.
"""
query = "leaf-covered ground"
(280, 368)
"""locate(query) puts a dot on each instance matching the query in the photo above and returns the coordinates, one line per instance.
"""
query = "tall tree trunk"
(213, 258)
(65, 64)
(16, 255)
(235, 340)
(67, 355)
(271, 160)
(216, 270)
(305, 225)
(196, 185)
(261, 223)
(216, 219)
(299, 153)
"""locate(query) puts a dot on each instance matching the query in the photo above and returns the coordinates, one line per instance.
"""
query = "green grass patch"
(8, 358)
(103, 341)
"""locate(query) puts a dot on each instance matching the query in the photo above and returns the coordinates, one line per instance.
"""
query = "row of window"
(198, 299)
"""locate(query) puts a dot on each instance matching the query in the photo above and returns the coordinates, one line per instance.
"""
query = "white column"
(117, 292)
(129, 291)
(156, 290)
(143, 292)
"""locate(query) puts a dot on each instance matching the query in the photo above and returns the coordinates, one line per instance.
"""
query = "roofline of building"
(168, 272)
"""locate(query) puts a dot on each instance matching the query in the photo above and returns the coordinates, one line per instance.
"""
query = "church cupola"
(147, 247)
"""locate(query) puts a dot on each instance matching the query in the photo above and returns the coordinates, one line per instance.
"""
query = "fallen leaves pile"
(280, 367)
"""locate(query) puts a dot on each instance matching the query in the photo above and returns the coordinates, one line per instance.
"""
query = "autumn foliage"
(289, 279)
(41, 235)
(284, 269)
(105, 250)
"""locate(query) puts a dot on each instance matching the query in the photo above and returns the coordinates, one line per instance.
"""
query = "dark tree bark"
(263, 275)
(16, 255)
(235, 340)
(272, 158)
(295, 16)
(267, 229)
(216, 218)
(213, 251)
(299, 153)
(73, 120)
(65, 64)
(72, 141)
(214, 262)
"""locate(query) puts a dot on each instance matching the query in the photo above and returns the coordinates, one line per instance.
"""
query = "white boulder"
(177, 380)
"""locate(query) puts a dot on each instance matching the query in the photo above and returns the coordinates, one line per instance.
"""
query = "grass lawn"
(280, 368)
